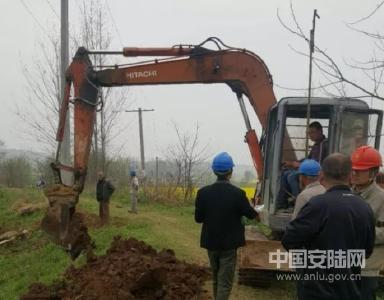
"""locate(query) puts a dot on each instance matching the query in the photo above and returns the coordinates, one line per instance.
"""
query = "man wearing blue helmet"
(220, 207)
(309, 171)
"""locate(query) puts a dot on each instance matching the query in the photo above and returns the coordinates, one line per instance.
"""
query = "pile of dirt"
(131, 269)
(24, 207)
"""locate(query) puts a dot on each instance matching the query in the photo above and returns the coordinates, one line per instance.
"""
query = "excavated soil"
(78, 237)
(131, 269)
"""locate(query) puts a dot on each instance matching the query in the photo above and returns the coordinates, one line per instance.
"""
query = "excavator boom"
(244, 72)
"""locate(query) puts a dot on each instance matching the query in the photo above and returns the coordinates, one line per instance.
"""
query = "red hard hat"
(365, 157)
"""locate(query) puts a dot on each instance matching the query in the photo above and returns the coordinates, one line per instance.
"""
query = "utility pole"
(141, 134)
(311, 50)
(102, 135)
(64, 49)
(157, 175)
(102, 113)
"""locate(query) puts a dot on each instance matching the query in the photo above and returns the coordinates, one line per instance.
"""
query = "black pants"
(223, 264)
(289, 187)
(104, 211)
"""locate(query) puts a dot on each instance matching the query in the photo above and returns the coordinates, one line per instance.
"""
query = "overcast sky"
(247, 24)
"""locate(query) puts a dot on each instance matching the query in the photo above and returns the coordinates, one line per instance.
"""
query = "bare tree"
(334, 75)
(95, 34)
(42, 75)
(186, 155)
(40, 113)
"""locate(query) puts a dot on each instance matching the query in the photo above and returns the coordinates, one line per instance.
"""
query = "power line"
(59, 17)
(141, 134)
(114, 23)
(34, 18)
(52, 8)
(37, 21)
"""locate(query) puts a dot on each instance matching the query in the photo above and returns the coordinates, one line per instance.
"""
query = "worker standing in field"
(134, 192)
(104, 191)
(220, 207)
(366, 162)
(326, 231)
(310, 186)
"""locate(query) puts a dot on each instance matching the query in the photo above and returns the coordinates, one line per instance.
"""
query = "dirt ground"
(130, 269)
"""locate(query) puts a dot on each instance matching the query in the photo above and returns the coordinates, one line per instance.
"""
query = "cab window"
(296, 130)
(357, 129)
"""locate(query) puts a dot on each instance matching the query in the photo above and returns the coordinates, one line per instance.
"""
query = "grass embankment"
(160, 225)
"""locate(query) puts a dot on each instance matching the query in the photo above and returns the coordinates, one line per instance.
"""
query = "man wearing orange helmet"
(366, 162)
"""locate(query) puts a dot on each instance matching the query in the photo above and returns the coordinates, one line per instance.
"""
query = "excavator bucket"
(62, 223)
(57, 218)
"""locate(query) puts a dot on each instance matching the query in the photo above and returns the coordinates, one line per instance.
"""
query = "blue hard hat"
(132, 173)
(309, 167)
(222, 163)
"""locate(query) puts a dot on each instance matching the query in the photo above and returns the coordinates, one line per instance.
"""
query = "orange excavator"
(283, 123)
(243, 71)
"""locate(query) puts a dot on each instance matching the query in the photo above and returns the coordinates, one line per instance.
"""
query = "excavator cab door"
(286, 139)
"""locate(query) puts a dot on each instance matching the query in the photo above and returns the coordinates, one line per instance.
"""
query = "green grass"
(37, 259)
(160, 225)
(10, 199)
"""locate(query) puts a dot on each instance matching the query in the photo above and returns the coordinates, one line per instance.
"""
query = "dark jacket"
(319, 150)
(336, 220)
(220, 207)
(104, 190)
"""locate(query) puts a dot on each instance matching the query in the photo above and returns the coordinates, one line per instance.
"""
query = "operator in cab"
(289, 181)
(220, 208)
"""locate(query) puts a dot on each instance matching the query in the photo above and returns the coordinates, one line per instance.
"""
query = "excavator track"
(255, 268)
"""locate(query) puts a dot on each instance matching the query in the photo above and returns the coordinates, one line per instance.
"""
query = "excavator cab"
(347, 124)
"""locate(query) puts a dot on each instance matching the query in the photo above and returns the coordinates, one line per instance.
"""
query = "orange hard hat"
(365, 157)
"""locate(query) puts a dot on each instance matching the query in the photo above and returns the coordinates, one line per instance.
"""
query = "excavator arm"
(243, 71)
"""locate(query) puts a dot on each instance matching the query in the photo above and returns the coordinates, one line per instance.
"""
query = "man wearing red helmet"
(366, 162)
